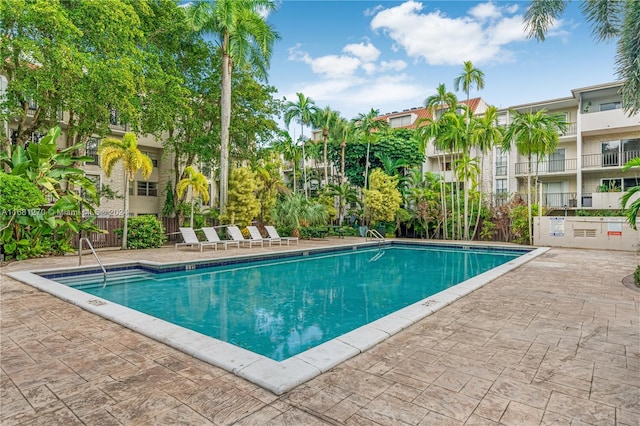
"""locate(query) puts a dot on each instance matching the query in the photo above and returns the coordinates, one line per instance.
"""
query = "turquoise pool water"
(280, 308)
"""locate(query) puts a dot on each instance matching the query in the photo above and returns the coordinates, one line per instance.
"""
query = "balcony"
(609, 159)
(607, 121)
(548, 167)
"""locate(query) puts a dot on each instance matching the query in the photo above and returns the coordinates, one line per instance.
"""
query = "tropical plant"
(295, 211)
(198, 185)
(423, 202)
(485, 134)
(471, 76)
(467, 169)
(125, 150)
(369, 127)
(609, 19)
(441, 101)
(383, 198)
(303, 111)
(243, 206)
(534, 134)
(343, 131)
(345, 194)
(246, 41)
(268, 172)
(634, 207)
(67, 189)
(325, 119)
(145, 232)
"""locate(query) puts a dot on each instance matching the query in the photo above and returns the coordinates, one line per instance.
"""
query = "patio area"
(555, 342)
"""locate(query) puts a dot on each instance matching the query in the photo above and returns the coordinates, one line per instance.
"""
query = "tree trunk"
(304, 168)
(529, 210)
(342, 179)
(225, 114)
(126, 211)
(324, 159)
(366, 166)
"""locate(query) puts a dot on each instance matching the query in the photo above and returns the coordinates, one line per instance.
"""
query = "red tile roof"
(423, 112)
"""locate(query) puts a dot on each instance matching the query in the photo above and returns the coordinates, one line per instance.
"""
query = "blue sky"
(391, 55)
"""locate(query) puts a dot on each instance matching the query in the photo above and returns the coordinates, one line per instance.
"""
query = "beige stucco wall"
(612, 233)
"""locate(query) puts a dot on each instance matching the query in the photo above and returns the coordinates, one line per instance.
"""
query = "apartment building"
(585, 171)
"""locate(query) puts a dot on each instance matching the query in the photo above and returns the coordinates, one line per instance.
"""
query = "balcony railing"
(572, 129)
(609, 159)
(550, 166)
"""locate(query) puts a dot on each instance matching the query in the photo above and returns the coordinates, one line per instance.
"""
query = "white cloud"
(484, 11)
(330, 66)
(394, 65)
(366, 52)
(481, 36)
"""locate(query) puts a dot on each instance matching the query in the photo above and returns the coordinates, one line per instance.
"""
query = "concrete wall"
(612, 233)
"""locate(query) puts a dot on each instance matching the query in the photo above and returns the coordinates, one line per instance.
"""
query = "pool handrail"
(104, 271)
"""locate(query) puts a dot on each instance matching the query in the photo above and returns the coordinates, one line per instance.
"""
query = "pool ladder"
(374, 235)
(104, 271)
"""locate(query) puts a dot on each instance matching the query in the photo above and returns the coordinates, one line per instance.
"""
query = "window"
(630, 149)
(610, 185)
(147, 189)
(556, 160)
(92, 150)
(501, 186)
(608, 106)
(610, 153)
(501, 162)
(401, 121)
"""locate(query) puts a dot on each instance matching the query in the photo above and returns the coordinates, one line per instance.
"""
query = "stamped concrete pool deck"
(556, 341)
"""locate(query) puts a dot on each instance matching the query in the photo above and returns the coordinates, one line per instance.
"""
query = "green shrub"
(636, 276)
(144, 232)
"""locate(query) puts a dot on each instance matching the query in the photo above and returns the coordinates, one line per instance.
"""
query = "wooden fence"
(111, 239)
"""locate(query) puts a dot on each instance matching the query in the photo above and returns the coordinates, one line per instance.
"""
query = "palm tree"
(111, 152)
(610, 19)
(467, 169)
(470, 76)
(302, 111)
(485, 134)
(634, 207)
(198, 184)
(344, 131)
(325, 119)
(441, 100)
(246, 41)
(291, 152)
(346, 194)
(534, 134)
(368, 126)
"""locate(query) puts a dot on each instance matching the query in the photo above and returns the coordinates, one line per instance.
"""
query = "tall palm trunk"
(529, 209)
(342, 179)
(443, 198)
(475, 228)
(126, 211)
(225, 114)
(366, 165)
(324, 155)
(304, 168)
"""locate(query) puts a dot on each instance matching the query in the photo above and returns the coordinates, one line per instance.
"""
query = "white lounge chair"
(236, 235)
(191, 239)
(212, 237)
(256, 235)
(274, 236)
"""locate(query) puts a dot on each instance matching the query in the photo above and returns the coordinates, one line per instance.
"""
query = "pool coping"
(275, 376)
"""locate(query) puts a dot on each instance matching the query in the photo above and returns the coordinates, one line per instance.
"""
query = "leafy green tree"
(368, 128)
(422, 201)
(291, 152)
(634, 207)
(268, 172)
(303, 111)
(610, 19)
(113, 151)
(246, 42)
(197, 183)
(243, 206)
(383, 198)
(534, 134)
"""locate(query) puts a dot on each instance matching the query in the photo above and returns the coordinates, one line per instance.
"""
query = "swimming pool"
(281, 319)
